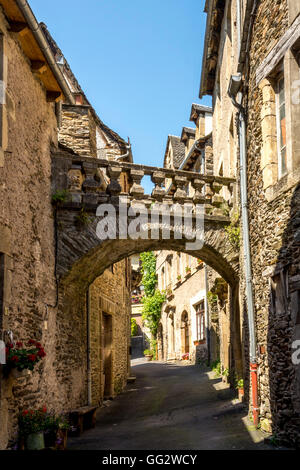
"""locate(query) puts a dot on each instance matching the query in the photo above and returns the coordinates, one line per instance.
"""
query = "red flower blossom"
(32, 357)
(41, 353)
(31, 341)
(10, 346)
(19, 344)
(25, 412)
(44, 409)
(38, 345)
(15, 359)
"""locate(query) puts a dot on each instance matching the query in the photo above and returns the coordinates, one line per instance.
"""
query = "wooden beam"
(285, 43)
(38, 66)
(53, 96)
(18, 27)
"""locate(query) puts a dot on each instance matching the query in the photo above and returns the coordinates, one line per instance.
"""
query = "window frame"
(278, 105)
(200, 320)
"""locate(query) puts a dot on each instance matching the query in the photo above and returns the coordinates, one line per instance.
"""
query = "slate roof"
(178, 150)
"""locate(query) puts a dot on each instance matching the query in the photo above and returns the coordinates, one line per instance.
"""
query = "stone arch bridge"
(88, 183)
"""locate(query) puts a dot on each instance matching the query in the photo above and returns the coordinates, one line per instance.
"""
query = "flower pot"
(16, 374)
(61, 440)
(196, 343)
(50, 439)
(148, 357)
(241, 394)
(35, 441)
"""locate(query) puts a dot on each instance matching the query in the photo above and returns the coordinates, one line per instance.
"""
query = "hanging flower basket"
(21, 360)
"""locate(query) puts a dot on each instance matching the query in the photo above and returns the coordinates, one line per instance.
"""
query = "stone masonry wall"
(110, 295)
(275, 252)
(26, 231)
(78, 131)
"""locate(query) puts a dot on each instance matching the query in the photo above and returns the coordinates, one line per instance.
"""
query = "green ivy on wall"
(153, 298)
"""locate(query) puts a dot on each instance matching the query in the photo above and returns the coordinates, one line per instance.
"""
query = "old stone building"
(251, 70)
(87, 346)
(190, 324)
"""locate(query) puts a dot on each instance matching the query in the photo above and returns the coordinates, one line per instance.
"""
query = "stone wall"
(110, 295)
(78, 131)
(26, 231)
(274, 237)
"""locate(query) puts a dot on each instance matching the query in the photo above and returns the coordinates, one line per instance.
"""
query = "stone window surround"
(285, 52)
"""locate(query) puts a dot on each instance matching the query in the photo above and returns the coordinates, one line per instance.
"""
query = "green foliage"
(212, 299)
(225, 373)
(149, 279)
(153, 298)
(59, 197)
(152, 310)
(234, 232)
(148, 352)
(134, 327)
(153, 344)
(239, 383)
(216, 367)
(188, 269)
(83, 218)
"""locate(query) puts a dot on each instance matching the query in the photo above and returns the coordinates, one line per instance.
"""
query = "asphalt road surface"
(171, 406)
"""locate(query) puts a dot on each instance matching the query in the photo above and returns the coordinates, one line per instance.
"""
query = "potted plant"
(240, 388)
(197, 342)
(31, 428)
(199, 262)
(179, 278)
(148, 354)
(185, 357)
(56, 431)
(188, 270)
(20, 359)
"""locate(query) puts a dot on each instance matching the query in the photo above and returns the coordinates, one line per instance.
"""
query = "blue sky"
(138, 61)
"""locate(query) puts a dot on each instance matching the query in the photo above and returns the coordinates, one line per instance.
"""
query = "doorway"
(107, 355)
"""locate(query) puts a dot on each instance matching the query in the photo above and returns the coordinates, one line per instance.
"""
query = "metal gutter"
(234, 87)
(45, 47)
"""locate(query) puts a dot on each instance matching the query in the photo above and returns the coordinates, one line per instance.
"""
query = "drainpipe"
(234, 87)
(207, 315)
(45, 47)
(88, 342)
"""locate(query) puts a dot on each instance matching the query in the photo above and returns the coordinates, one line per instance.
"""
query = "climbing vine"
(234, 232)
(153, 298)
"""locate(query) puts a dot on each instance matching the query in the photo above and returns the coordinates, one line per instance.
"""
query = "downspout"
(45, 47)
(235, 84)
(207, 318)
(125, 154)
(88, 347)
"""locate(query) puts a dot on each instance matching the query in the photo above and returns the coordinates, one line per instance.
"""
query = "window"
(281, 126)
(200, 321)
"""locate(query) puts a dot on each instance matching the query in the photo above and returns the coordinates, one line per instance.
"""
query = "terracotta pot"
(241, 394)
(149, 358)
(35, 441)
(196, 343)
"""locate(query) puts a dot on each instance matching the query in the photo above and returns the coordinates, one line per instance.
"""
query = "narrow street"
(171, 407)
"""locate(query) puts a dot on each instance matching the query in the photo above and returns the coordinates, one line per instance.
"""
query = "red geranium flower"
(25, 412)
(38, 345)
(19, 344)
(41, 353)
(32, 357)
(10, 346)
(31, 341)
(15, 359)
(44, 409)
